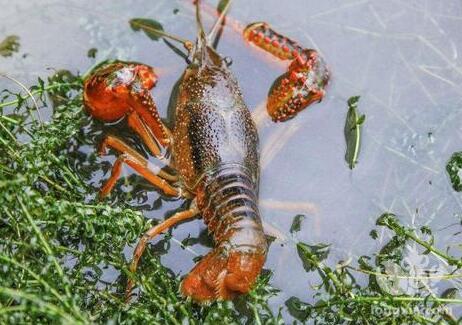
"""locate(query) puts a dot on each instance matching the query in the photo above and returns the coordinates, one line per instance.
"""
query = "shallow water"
(401, 57)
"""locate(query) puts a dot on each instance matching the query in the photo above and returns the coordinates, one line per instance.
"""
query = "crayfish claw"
(302, 85)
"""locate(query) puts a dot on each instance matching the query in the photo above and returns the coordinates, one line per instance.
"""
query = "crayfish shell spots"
(263, 36)
(301, 85)
(109, 89)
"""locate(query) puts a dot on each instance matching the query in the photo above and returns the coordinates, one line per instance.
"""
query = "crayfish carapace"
(212, 150)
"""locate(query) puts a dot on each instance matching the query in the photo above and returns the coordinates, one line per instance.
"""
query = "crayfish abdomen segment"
(229, 205)
(228, 201)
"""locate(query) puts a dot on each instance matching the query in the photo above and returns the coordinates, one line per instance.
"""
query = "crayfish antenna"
(211, 37)
(200, 52)
(200, 26)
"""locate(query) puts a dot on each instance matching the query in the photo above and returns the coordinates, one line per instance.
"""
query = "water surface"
(401, 57)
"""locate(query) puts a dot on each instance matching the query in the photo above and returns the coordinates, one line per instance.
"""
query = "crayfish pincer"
(214, 152)
(306, 77)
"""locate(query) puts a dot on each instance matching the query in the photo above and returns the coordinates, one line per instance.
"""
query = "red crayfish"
(214, 152)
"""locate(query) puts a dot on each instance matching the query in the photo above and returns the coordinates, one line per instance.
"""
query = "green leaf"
(312, 255)
(353, 132)
(373, 233)
(60, 94)
(450, 293)
(453, 168)
(427, 231)
(152, 28)
(387, 220)
(222, 5)
(363, 262)
(361, 119)
(298, 309)
(353, 101)
(297, 223)
(9, 45)
(92, 52)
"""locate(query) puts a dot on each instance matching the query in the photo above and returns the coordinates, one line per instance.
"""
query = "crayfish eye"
(108, 91)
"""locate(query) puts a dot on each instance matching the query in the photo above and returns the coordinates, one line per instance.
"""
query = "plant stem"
(188, 45)
(39, 91)
(49, 181)
(9, 119)
(449, 259)
(37, 231)
(391, 299)
(36, 277)
(323, 268)
(443, 276)
(389, 220)
(50, 307)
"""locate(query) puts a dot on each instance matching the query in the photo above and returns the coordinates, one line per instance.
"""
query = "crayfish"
(211, 151)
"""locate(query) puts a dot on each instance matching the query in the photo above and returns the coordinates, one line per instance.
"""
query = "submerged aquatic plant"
(380, 300)
(353, 126)
(9, 45)
(453, 168)
(57, 244)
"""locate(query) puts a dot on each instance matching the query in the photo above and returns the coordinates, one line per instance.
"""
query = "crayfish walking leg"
(150, 234)
(152, 173)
